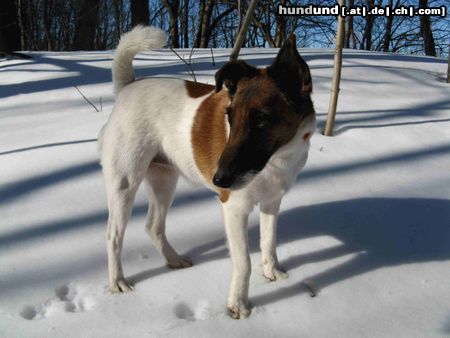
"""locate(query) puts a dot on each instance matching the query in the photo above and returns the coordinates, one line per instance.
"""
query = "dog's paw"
(120, 286)
(179, 263)
(274, 274)
(238, 311)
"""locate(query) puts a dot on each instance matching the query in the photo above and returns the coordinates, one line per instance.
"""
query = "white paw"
(238, 310)
(274, 273)
(120, 286)
(179, 263)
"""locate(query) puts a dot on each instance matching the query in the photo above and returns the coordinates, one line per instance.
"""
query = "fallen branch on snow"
(188, 64)
(87, 100)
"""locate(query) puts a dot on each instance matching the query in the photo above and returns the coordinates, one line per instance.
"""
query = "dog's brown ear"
(290, 71)
(232, 72)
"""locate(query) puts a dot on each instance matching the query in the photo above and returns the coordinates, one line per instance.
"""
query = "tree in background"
(243, 30)
(366, 42)
(118, 18)
(336, 75)
(9, 27)
(206, 10)
(448, 65)
(388, 32)
(426, 31)
(185, 24)
(98, 24)
(272, 26)
(173, 7)
(86, 25)
(349, 33)
(139, 12)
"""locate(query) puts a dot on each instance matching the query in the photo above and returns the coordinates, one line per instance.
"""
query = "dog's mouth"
(238, 166)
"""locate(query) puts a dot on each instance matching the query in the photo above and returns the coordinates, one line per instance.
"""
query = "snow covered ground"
(367, 224)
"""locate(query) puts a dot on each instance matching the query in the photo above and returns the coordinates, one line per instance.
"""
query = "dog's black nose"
(222, 180)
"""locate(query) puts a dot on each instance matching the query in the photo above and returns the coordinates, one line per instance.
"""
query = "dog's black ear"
(290, 71)
(232, 72)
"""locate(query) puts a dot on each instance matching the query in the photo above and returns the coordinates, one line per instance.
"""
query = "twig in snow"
(212, 55)
(190, 54)
(87, 100)
(188, 64)
(312, 290)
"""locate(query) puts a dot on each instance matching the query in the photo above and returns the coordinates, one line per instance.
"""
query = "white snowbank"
(367, 225)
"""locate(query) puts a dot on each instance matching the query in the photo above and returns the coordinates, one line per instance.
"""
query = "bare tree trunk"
(336, 75)
(47, 24)
(239, 8)
(139, 12)
(9, 28)
(388, 32)
(280, 33)
(348, 26)
(87, 25)
(448, 66)
(105, 19)
(205, 23)
(264, 27)
(118, 14)
(426, 31)
(186, 24)
(32, 43)
(162, 20)
(201, 15)
(173, 7)
(23, 23)
(366, 42)
(216, 21)
(266, 31)
(241, 35)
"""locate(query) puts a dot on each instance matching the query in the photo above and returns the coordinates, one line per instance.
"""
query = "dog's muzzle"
(223, 180)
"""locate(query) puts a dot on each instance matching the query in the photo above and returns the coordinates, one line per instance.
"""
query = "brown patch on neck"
(306, 136)
(197, 89)
(224, 195)
(209, 137)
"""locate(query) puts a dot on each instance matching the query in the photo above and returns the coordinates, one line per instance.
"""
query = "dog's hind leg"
(122, 182)
(161, 182)
(120, 207)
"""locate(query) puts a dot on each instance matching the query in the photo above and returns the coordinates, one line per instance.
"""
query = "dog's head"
(266, 108)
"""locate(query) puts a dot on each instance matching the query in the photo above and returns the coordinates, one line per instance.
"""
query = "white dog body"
(150, 136)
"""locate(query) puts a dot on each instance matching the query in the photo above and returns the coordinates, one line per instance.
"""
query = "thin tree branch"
(87, 100)
(188, 64)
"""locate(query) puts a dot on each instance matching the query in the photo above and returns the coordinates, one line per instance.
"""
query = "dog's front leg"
(236, 230)
(268, 228)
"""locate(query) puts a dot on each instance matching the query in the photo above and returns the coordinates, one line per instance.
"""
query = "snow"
(367, 225)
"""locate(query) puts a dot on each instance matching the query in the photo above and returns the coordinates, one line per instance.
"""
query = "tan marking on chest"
(306, 136)
(197, 89)
(224, 195)
(209, 137)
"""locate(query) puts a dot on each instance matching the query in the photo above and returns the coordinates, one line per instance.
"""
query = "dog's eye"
(260, 119)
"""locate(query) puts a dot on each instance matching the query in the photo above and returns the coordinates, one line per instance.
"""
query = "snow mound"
(365, 230)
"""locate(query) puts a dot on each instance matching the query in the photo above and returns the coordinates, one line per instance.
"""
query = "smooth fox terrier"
(246, 138)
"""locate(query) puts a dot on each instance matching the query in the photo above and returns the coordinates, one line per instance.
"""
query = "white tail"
(137, 40)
